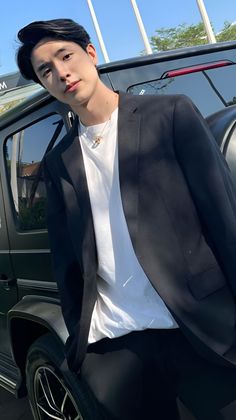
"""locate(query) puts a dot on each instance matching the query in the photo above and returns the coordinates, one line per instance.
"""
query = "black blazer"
(180, 208)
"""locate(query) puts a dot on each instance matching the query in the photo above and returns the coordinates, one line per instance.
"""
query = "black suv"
(32, 330)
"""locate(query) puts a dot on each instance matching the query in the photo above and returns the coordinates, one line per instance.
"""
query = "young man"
(142, 225)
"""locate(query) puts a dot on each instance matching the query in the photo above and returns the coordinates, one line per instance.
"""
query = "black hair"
(58, 29)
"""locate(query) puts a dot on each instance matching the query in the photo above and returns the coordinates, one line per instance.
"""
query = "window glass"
(224, 79)
(194, 85)
(24, 151)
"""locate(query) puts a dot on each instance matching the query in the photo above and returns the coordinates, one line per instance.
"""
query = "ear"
(91, 51)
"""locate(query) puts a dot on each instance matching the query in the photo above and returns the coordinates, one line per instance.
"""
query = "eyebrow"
(46, 63)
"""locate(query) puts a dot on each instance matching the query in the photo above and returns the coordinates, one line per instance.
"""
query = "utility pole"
(141, 27)
(210, 34)
(97, 29)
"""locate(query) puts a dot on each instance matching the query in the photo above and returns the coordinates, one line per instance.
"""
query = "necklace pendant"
(97, 141)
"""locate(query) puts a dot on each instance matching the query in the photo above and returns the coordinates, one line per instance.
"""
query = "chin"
(80, 100)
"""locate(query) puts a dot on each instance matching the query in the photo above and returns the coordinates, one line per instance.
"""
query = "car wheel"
(53, 393)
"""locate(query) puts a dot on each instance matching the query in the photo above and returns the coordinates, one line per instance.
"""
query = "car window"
(194, 85)
(224, 79)
(24, 151)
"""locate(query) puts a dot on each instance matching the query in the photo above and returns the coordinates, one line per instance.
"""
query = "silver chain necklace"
(97, 139)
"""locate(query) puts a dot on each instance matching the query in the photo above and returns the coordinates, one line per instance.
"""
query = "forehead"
(48, 48)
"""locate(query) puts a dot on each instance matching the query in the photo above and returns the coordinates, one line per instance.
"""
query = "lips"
(72, 86)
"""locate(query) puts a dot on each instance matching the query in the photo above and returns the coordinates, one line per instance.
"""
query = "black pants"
(139, 375)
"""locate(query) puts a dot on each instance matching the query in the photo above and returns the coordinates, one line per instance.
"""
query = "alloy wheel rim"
(52, 397)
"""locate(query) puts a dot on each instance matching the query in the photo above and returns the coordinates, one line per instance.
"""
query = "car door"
(8, 289)
(23, 145)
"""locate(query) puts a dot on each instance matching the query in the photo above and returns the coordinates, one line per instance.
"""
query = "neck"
(99, 107)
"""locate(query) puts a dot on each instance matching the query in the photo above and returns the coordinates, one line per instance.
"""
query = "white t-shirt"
(126, 300)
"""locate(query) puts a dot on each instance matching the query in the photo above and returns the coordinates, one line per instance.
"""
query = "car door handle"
(6, 282)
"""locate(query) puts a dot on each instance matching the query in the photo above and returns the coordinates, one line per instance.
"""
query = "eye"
(46, 72)
(67, 56)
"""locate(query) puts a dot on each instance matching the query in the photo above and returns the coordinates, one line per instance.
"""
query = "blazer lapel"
(128, 147)
(73, 161)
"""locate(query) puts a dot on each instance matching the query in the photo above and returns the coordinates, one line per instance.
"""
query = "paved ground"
(12, 409)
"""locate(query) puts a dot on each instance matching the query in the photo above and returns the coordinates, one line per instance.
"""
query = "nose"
(63, 72)
(64, 77)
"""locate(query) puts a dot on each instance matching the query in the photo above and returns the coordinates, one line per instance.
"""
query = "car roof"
(42, 96)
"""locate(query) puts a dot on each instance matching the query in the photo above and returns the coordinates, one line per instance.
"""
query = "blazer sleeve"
(210, 183)
(65, 265)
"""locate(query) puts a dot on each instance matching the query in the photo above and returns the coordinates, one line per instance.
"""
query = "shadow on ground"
(13, 409)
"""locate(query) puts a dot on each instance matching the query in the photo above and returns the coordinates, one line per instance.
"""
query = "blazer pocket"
(206, 283)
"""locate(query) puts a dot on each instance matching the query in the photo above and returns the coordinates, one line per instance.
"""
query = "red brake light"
(193, 69)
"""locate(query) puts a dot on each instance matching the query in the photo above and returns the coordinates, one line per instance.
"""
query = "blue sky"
(116, 19)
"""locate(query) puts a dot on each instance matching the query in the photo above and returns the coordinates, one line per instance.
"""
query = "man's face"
(66, 70)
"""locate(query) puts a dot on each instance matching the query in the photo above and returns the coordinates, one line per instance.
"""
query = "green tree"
(228, 33)
(185, 35)
(180, 36)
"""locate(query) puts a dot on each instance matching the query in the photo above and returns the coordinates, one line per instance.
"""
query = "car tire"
(56, 393)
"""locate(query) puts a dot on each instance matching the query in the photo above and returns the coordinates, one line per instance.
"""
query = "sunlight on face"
(66, 70)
